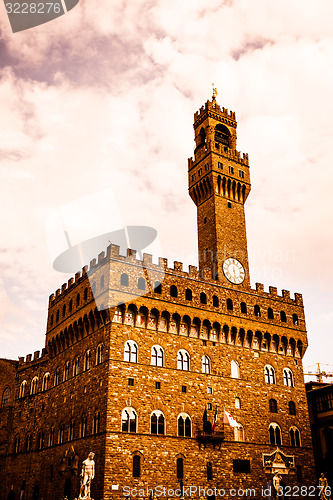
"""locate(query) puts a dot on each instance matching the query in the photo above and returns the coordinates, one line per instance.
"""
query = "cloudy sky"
(103, 98)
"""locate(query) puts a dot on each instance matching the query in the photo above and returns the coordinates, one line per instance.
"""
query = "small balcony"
(212, 438)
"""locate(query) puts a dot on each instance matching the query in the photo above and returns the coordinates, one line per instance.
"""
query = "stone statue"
(87, 475)
(277, 484)
(323, 484)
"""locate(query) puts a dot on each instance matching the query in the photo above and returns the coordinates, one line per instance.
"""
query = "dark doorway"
(68, 489)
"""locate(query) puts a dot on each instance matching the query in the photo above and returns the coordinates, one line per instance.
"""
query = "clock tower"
(219, 184)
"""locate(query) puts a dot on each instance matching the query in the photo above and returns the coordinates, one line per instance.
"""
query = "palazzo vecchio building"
(142, 360)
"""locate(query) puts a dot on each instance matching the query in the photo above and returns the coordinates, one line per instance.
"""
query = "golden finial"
(215, 92)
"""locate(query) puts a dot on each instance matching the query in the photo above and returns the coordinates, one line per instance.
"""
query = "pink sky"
(104, 97)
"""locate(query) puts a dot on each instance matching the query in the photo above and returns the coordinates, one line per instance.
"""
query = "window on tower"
(270, 313)
(256, 310)
(231, 169)
(243, 308)
(222, 135)
(173, 291)
(215, 301)
(188, 294)
(229, 305)
(274, 434)
(220, 165)
(269, 375)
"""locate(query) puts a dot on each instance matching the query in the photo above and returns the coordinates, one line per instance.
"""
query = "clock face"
(234, 271)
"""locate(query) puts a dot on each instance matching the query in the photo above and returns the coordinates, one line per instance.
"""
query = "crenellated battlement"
(214, 106)
(31, 360)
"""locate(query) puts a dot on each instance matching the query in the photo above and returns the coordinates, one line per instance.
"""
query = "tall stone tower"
(219, 184)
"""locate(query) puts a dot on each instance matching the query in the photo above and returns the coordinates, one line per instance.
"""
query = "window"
(51, 436)
(220, 165)
(131, 382)
(270, 313)
(184, 425)
(205, 364)
(292, 408)
(40, 440)
(76, 366)
(193, 177)
(229, 305)
(97, 418)
(209, 390)
(124, 279)
(240, 465)
(136, 466)
(241, 174)
(256, 310)
(209, 406)
(93, 289)
(141, 284)
(129, 420)
(23, 387)
(180, 468)
(17, 444)
(188, 294)
(64, 311)
(200, 171)
(274, 434)
(28, 442)
(243, 308)
(46, 382)
(324, 402)
(203, 298)
(83, 426)
(87, 361)
(237, 403)
(51, 319)
(61, 433)
(157, 356)
(99, 354)
(157, 287)
(34, 385)
(85, 293)
(157, 423)
(295, 319)
(183, 360)
(239, 433)
(183, 388)
(288, 378)
(57, 315)
(283, 316)
(234, 369)
(5, 398)
(294, 437)
(131, 352)
(273, 406)
(66, 371)
(269, 375)
(78, 299)
(173, 291)
(206, 166)
(231, 169)
(70, 307)
(215, 301)
(102, 281)
(157, 385)
(57, 377)
(71, 432)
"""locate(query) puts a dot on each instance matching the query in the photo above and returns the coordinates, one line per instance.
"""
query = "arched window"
(78, 299)
(283, 316)
(234, 369)
(269, 375)
(99, 354)
(184, 425)
(5, 398)
(274, 434)
(215, 301)
(229, 305)
(124, 279)
(96, 425)
(157, 356)
(66, 371)
(173, 291)
(273, 406)
(157, 423)
(70, 305)
(205, 364)
(83, 426)
(46, 382)
(188, 294)
(141, 284)
(131, 351)
(222, 135)
(129, 420)
(57, 376)
(23, 388)
(40, 440)
(294, 437)
(157, 287)
(34, 386)
(28, 442)
(136, 466)
(102, 281)
(256, 310)
(64, 311)
(51, 436)
(61, 433)
(51, 319)
(203, 298)
(93, 289)
(183, 360)
(57, 315)
(243, 308)
(71, 431)
(209, 471)
(85, 293)
(239, 433)
(180, 468)
(87, 361)
(292, 408)
(295, 319)
(288, 378)
(237, 403)
(270, 313)
(17, 444)
(76, 365)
